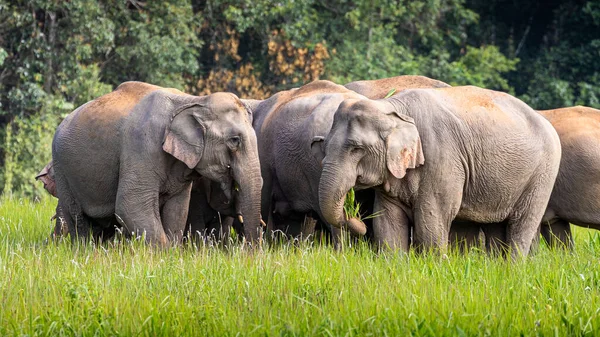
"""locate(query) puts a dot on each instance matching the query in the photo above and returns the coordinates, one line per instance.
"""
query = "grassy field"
(133, 290)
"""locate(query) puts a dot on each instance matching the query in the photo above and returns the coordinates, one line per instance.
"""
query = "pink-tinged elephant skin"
(574, 198)
(132, 155)
(290, 127)
(436, 155)
(576, 195)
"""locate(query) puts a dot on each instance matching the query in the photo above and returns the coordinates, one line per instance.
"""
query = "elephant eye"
(356, 149)
(234, 142)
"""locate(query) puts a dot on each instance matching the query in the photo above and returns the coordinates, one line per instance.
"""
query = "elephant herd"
(435, 164)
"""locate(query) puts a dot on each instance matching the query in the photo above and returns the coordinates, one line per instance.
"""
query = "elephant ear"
(250, 105)
(404, 149)
(184, 136)
(316, 148)
(46, 176)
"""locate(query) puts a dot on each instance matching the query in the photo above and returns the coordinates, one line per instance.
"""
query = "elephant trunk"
(248, 189)
(332, 194)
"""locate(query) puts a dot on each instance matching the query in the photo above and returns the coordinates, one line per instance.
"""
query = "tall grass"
(126, 289)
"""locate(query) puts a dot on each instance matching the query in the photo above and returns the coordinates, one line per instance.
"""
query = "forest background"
(58, 54)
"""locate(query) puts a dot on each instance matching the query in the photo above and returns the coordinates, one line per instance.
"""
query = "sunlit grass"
(307, 289)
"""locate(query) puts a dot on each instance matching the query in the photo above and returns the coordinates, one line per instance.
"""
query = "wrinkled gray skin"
(439, 154)
(290, 127)
(379, 89)
(132, 155)
(574, 198)
(210, 213)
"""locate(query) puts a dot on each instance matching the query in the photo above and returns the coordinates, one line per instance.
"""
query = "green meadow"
(307, 289)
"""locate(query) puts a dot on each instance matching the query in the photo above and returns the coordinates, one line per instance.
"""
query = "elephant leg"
(557, 234)
(391, 228)
(174, 214)
(524, 225)
(433, 217)
(219, 229)
(225, 226)
(266, 198)
(524, 221)
(60, 226)
(464, 234)
(69, 211)
(495, 238)
(195, 223)
(103, 229)
(78, 224)
(337, 237)
(137, 210)
(287, 226)
(308, 227)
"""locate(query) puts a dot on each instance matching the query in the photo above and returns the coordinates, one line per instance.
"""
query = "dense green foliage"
(307, 290)
(56, 55)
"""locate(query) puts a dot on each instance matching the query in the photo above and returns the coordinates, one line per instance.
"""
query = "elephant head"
(370, 144)
(213, 135)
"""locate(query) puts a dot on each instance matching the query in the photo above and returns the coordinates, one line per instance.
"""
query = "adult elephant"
(210, 213)
(379, 89)
(439, 154)
(290, 127)
(575, 198)
(132, 155)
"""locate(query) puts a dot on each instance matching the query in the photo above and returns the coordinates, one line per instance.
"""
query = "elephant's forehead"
(223, 102)
(359, 110)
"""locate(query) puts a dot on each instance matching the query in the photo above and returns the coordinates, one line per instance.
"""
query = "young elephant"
(211, 213)
(439, 154)
(290, 127)
(132, 155)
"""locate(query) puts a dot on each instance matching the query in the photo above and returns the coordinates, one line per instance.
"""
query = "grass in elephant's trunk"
(352, 208)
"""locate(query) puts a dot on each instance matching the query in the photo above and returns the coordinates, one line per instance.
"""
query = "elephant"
(291, 203)
(289, 127)
(380, 88)
(574, 196)
(209, 215)
(435, 155)
(132, 155)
